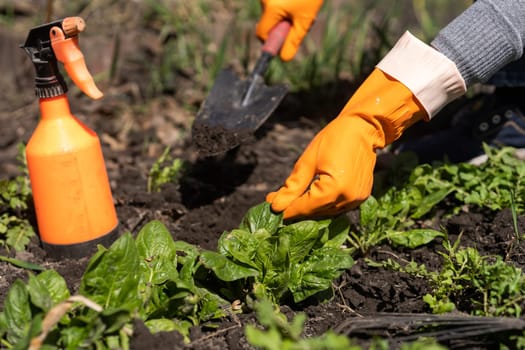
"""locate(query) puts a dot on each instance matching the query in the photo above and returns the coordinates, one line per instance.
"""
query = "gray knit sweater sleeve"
(484, 38)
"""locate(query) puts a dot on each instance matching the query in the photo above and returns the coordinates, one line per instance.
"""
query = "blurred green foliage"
(193, 40)
(348, 39)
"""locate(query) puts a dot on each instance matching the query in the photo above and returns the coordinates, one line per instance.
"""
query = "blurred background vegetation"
(176, 47)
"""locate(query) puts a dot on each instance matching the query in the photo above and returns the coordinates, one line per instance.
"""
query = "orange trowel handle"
(270, 49)
(276, 38)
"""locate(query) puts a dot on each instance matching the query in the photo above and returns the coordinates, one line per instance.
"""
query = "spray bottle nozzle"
(58, 40)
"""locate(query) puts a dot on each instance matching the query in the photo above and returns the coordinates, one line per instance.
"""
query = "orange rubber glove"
(335, 172)
(301, 13)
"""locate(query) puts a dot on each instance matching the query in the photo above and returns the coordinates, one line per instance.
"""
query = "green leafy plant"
(393, 213)
(496, 184)
(15, 194)
(423, 344)
(164, 170)
(15, 231)
(491, 286)
(275, 332)
(21, 263)
(172, 285)
(494, 287)
(153, 277)
(391, 218)
(150, 278)
(34, 308)
(279, 334)
(277, 260)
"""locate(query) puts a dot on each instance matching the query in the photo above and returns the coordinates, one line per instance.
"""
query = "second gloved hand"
(301, 14)
(335, 172)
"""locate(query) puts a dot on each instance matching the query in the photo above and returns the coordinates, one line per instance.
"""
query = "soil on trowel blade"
(215, 140)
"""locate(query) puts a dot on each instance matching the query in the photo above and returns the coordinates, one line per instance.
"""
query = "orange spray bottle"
(73, 201)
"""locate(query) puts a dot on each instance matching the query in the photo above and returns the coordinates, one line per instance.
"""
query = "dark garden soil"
(214, 193)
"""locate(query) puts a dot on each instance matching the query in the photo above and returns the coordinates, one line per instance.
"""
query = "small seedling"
(492, 286)
(164, 170)
(514, 215)
(279, 334)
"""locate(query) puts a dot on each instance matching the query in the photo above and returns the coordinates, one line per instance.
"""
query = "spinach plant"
(150, 278)
(273, 261)
(392, 218)
(31, 307)
(153, 277)
(172, 285)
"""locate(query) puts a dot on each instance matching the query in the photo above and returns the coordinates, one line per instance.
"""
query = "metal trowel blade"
(224, 122)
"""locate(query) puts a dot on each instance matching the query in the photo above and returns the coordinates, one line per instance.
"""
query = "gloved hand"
(301, 13)
(335, 172)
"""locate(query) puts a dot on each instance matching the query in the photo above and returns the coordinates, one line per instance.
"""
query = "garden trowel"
(236, 108)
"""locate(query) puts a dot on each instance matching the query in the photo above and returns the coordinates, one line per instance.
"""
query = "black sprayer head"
(48, 80)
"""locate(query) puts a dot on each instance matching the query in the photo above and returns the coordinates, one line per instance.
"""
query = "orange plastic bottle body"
(71, 191)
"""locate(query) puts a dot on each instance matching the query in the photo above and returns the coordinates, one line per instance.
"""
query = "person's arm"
(484, 38)
(335, 172)
(412, 82)
(301, 14)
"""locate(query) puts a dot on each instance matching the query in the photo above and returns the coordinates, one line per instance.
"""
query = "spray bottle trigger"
(68, 52)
